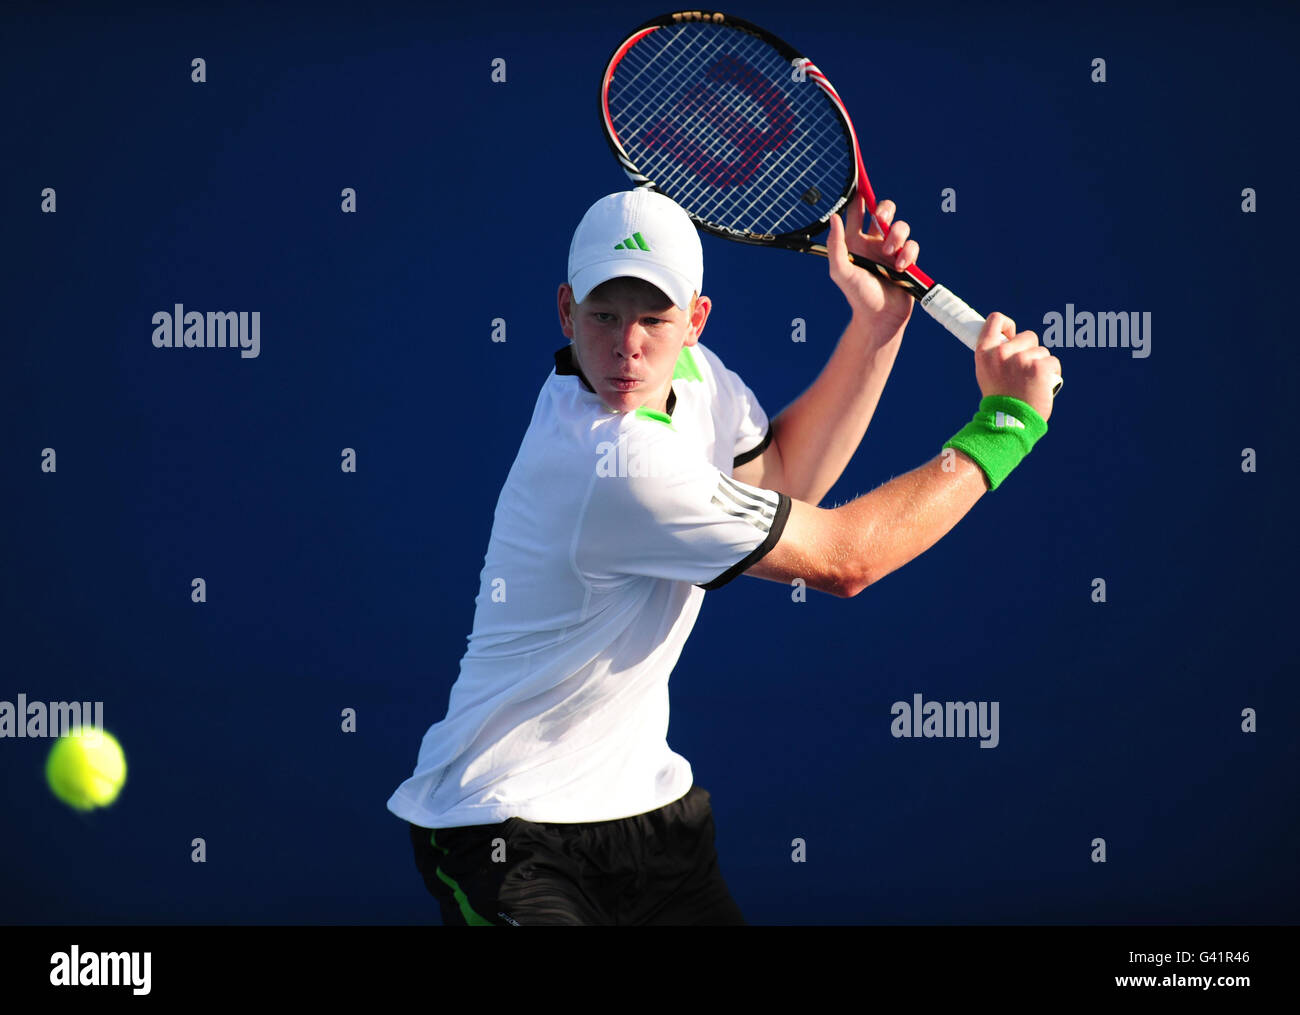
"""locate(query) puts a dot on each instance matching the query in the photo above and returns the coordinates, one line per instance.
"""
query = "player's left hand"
(865, 291)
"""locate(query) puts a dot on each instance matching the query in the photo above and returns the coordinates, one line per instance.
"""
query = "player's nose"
(630, 340)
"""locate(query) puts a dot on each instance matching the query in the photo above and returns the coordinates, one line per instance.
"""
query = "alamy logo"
(629, 457)
(946, 719)
(53, 719)
(1082, 329)
(215, 330)
(634, 242)
(75, 968)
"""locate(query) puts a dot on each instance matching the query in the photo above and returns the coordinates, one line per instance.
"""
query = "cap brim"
(676, 287)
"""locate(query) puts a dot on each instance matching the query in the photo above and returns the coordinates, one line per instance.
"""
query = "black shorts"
(657, 868)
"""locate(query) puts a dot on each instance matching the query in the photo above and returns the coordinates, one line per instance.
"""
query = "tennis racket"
(750, 138)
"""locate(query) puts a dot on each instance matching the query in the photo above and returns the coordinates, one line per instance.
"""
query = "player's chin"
(622, 401)
(625, 399)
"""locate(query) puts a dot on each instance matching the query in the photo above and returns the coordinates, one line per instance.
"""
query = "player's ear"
(699, 316)
(565, 305)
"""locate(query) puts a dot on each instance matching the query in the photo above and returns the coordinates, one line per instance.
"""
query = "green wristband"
(1003, 431)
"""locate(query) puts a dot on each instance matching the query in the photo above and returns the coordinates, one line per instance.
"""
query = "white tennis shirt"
(608, 530)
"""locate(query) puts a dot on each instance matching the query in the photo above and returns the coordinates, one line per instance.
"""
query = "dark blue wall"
(329, 591)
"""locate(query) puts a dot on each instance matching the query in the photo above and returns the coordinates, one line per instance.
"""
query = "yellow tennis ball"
(86, 768)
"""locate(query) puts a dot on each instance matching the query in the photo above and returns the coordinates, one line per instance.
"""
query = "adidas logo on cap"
(634, 242)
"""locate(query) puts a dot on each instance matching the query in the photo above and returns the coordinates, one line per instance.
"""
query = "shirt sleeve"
(742, 414)
(659, 509)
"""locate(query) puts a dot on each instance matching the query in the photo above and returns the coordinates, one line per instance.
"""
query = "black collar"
(565, 366)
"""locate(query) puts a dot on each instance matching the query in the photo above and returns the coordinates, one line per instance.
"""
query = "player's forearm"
(899, 521)
(818, 433)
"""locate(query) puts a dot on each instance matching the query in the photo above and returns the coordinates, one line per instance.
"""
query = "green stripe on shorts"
(466, 910)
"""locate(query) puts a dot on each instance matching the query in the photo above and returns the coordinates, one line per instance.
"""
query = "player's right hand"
(1013, 364)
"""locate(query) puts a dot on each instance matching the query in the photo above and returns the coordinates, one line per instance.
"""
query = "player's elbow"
(850, 581)
(846, 591)
(862, 574)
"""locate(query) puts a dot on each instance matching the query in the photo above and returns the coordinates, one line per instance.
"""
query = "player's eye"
(602, 316)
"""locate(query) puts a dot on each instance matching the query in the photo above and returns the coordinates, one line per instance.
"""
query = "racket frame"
(800, 239)
(944, 306)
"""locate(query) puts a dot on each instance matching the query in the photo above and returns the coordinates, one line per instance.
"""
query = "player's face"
(627, 336)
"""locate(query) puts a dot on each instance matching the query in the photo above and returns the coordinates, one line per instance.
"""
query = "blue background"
(329, 590)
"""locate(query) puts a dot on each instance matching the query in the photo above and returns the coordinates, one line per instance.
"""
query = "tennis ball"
(86, 768)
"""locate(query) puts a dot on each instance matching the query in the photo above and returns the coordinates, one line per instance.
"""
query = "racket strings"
(745, 106)
(746, 143)
(713, 116)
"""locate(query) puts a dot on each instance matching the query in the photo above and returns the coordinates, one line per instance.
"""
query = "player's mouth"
(625, 383)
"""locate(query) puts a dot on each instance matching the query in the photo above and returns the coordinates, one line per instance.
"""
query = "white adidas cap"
(641, 234)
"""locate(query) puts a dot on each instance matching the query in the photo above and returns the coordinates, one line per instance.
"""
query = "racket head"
(733, 124)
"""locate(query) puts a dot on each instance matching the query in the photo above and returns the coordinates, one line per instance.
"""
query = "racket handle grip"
(953, 313)
(956, 315)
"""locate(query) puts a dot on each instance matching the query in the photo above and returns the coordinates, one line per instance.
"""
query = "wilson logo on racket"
(729, 125)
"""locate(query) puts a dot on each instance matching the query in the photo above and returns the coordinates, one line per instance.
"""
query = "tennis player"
(648, 474)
